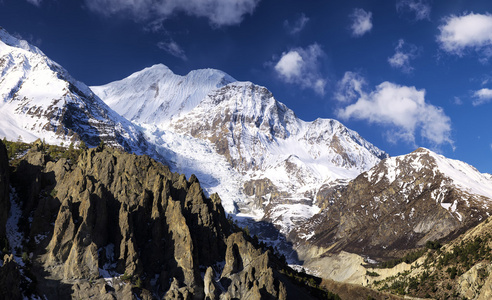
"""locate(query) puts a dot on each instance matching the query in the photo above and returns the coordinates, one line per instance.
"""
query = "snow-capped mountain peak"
(12, 41)
(456, 172)
(261, 132)
(155, 95)
(39, 99)
(243, 143)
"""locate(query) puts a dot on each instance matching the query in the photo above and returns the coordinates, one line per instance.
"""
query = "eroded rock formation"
(149, 232)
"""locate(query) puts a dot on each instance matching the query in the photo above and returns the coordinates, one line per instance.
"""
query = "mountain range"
(315, 191)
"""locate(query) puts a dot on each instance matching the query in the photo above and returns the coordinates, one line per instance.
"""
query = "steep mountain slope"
(39, 99)
(96, 226)
(242, 142)
(401, 203)
(460, 269)
(282, 160)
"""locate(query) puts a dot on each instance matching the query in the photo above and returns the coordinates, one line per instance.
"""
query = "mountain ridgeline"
(110, 224)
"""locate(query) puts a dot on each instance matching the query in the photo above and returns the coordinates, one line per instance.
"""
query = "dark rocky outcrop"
(155, 233)
(4, 189)
(10, 279)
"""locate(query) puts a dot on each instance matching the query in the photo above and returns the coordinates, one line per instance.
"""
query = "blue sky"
(402, 73)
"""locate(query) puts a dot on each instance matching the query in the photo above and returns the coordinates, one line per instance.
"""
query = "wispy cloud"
(350, 87)
(361, 22)
(403, 108)
(297, 26)
(301, 66)
(218, 12)
(482, 96)
(471, 32)
(404, 53)
(29, 38)
(35, 2)
(172, 48)
(421, 8)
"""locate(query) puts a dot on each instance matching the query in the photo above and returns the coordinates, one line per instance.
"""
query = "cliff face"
(115, 225)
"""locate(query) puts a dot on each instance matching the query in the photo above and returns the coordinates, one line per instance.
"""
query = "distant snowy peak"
(423, 161)
(39, 99)
(155, 95)
(401, 203)
(255, 131)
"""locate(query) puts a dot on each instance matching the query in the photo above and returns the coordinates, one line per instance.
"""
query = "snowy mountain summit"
(155, 95)
(240, 141)
(39, 99)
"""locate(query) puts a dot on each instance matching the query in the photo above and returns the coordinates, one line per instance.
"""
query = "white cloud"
(35, 2)
(350, 87)
(361, 22)
(298, 25)
(172, 48)
(403, 54)
(218, 12)
(403, 108)
(301, 66)
(421, 8)
(290, 65)
(482, 96)
(467, 32)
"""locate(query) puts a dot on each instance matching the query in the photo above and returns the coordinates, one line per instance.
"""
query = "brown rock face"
(395, 206)
(248, 273)
(117, 213)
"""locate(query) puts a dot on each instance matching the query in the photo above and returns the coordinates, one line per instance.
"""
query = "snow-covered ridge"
(262, 132)
(464, 175)
(155, 95)
(9, 40)
(458, 173)
(40, 99)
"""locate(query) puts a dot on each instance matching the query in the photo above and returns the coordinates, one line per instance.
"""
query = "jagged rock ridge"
(114, 216)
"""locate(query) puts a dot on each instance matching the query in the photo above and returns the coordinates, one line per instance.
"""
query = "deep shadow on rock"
(152, 232)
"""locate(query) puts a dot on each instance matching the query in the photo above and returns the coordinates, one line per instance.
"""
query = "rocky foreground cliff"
(106, 224)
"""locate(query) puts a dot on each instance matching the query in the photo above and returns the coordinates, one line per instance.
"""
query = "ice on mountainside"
(232, 133)
(40, 100)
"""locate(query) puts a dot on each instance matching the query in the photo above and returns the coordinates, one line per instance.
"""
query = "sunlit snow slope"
(155, 95)
(39, 99)
(240, 141)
